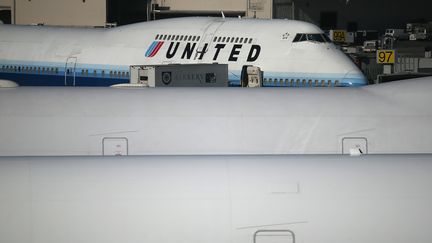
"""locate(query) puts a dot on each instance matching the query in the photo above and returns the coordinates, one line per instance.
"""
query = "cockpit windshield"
(311, 37)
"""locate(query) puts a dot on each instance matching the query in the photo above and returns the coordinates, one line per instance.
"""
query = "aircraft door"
(207, 39)
(251, 76)
(354, 145)
(274, 236)
(113, 146)
(70, 71)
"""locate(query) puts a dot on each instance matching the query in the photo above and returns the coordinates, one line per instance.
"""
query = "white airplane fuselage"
(227, 190)
(291, 53)
(391, 118)
(216, 199)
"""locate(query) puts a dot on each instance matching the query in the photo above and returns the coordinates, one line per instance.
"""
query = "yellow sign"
(386, 56)
(339, 35)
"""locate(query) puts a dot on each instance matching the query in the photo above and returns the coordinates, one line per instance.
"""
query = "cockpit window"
(315, 37)
(326, 38)
(303, 38)
(297, 38)
(311, 37)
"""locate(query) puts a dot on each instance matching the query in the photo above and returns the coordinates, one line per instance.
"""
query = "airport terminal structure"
(327, 14)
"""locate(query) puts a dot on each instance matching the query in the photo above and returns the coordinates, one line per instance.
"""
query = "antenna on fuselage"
(223, 15)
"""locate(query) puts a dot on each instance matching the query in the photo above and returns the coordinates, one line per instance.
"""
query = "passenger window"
(198, 38)
(177, 37)
(228, 39)
(241, 40)
(223, 39)
(215, 39)
(157, 37)
(250, 41)
(246, 40)
(181, 38)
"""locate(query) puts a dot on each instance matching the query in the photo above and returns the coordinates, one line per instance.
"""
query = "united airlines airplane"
(291, 53)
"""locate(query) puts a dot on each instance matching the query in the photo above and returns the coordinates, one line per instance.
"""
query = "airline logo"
(154, 48)
(186, 51)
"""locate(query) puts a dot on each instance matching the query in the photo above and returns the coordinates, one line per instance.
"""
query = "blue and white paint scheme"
(291, 53)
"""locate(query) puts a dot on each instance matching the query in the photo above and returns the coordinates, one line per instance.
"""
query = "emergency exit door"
(354, 145)
(274, 236)
(207, 39)
(70, 71)
(115, 146)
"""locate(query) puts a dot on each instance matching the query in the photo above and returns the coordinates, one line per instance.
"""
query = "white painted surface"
(394, 118)
(213, 199)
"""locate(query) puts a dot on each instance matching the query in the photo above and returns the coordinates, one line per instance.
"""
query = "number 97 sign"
(386, 56)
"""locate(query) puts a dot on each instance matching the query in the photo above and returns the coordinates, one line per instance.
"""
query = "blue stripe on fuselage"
(53, 74)
(29, 79)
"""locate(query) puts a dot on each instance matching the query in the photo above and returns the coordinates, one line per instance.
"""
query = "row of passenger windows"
(29, 69)
(237, 40)
(301, 82)
(178, 37)
(55, 70)
(112, 73)
(223, 39)
(311, 37)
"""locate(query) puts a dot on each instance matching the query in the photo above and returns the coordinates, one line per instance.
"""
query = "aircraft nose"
(355, 77)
